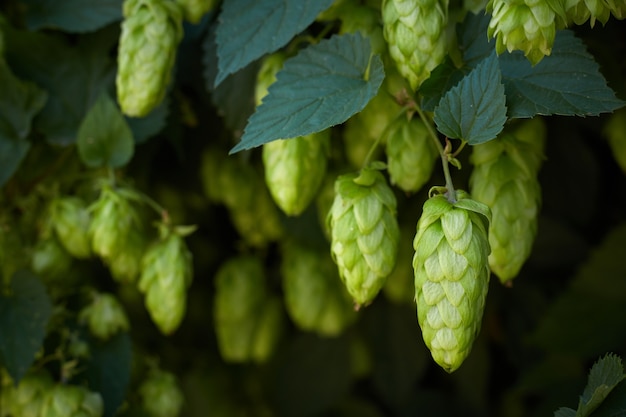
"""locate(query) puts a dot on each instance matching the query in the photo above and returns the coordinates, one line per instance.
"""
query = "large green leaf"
(24, 315)
(104, 137)
(320, 87)
(71, 15)
(474, 110)
(248, 29)
(74, 75)
(20, 101)
(603, 377)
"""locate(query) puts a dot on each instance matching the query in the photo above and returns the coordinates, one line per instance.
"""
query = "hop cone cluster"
(525, 25)
(248, 320)
(194, 10)
(151, 31)
(28, 397)
(415, 35)
(451, 275)
(505, 178)
(70, 219)
(315, 298)
(161, 395)
(364, 232)
(166, 274)
(104, 316)
(72, 401)
(411, 154)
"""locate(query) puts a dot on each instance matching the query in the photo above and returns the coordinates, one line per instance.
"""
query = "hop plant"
(194, 10)
(104, 316)
(364, 232)
(160, 394)
(315, 298)
(70, 219)
(411, 154)
(166, 275)
(415, 35)
(151, 31)
(451, 275)
(72, 401)
(505, 179)
(525, 25)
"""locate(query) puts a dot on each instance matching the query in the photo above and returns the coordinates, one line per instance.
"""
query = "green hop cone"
(505, 179)
(364, 232)
(161, 395)
(580, 11)
(525, 25)
(166, 275)
(451, 275)
(151, 31)
(104, 316)
(72, 401)
(315, 298)
(411, 154)
(70, 220)
(50, 260)
(194, 10)
(415, 35)
(28, 397)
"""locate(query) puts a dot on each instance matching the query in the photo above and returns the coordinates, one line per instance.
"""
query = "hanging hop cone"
(580, 11)
(104, 316)
(151, 31)
(364, 232)
(50, 260)
(505, 179)
(411, 154)
(166, 274)
(70, 219)
(161, 395)
(451, 275)
(194, 10)
(72, 401)
(415, 35)
(315, 298)
(525, 25)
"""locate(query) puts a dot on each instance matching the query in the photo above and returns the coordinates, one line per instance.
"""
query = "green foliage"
(73, 15)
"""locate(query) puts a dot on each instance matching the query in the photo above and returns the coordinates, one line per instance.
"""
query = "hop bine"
(451, 275)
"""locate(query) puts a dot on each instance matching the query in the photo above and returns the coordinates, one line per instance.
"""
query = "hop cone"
(50, 259)
(525, 25)
(194, 10)
(166, 275)
(105, 316)
(505, 178)
(315, 298)
(364, 232)
(411, 154)
(28, 397)
(580, 11)
(72, 401)
(150, 35)
(161, 395)
(451, 275)
(70, 220)
(415, 34)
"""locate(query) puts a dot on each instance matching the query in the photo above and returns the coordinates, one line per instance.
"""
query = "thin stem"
(451, 193)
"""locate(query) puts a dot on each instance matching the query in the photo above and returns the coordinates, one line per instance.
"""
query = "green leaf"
(20, 101)
(104, 137)
(71, 15)
(441, 80)
(24, 315)
(614, 405)
(74, 75)
(565, 412)
(603, 377)
(568, 82)
(474, 110)
(322, 86)
(248, 29)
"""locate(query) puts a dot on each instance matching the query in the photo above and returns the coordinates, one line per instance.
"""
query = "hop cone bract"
(451, 275)
(415, 34)
(364, 232)
(525, 25)
(166, 275)
(151, 31)
(505, 179)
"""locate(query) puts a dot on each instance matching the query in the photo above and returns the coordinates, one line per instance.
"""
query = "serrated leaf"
(614, 405)
(104, 137)
(603, 377)
(474, 110)
(20, 101)
(567, 83)
(24, 315)
(445, 76)
(322, 86)
(71, 15)
(565, 412)
(248, 29)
